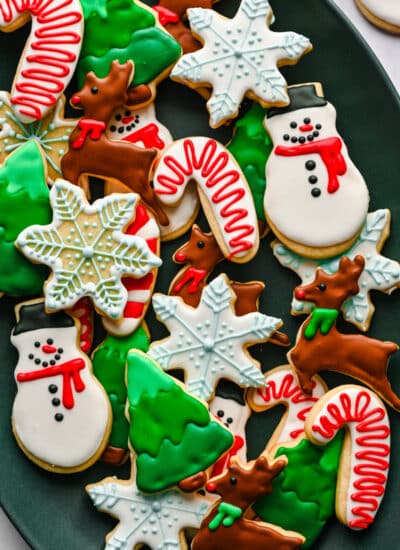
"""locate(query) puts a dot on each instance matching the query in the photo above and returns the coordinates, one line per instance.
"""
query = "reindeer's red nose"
(48, 349)
(180, 257)
(211, 487)
(75, 99)
(299, 293)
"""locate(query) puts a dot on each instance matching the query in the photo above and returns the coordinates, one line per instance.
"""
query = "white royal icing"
(387, 10)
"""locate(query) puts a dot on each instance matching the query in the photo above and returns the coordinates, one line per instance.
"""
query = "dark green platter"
(52, 511)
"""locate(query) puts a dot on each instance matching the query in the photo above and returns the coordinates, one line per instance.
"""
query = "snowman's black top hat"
(33, 316)
(229, 390)
(301, 97)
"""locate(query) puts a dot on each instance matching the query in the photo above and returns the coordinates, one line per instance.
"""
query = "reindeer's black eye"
(233, 480)
(200, 244)
(322, 286)
(229, 420)
(94, 89)
(220, 413)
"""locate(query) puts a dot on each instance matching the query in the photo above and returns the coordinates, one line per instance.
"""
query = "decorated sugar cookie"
(226, 525)
(210, 342)
(239, 57)
(61, 416)
(86, 249)
(380, 273)
(224, 194)
(385, 14)
(50, 55)
(320, 346)
(173, 435)
(316, 200)
(364, 463)
(157, 521)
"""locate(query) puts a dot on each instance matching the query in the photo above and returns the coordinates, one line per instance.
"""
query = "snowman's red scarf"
(70, 373)
(329, 151)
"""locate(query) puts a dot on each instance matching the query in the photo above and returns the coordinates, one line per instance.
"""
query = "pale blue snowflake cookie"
(86, 249)
(240, 57)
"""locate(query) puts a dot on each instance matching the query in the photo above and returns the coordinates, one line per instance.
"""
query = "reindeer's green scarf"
(322, 319)
(227, 513)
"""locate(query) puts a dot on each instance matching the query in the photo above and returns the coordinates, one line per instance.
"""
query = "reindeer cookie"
(226, 526)
(316, 200)
(320, 346)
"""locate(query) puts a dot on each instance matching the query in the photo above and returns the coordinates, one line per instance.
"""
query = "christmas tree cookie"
(172, 433)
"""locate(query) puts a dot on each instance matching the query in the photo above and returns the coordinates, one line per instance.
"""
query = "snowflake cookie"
(240, 57)
(380, 273)
(87, 250)
(157, 520)
(209, 342)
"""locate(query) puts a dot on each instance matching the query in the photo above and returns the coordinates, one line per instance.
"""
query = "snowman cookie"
(61, 416)
(316, 200)
(385, 14)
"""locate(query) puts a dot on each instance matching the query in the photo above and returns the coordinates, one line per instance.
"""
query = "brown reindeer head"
(180, 6)
(201, 250)
(242, 485)
(330, 291)
(99, 97)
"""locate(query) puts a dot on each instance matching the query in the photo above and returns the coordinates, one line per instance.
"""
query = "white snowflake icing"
(239, 55)
(156, 520)
(86, 249)
(380, 273)
(208, 341)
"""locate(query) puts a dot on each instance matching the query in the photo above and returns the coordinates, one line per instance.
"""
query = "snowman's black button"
(310, 137)
(45, 364)
(310, 165)
(302, 139)
(286, 137)
(37, 361)
(59, 417)
(315, 134)
(57, 356)
(56, 402)
(53, 388)
(313, 179)
(294, 139)
(315, 192)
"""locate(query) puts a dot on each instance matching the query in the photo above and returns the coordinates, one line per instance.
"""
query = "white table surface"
(387, 49)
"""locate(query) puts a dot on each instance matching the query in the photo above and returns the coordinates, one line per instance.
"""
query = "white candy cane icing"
(50, 55)
(387, 10)
(83, 311)
(140, 289)
(281, 387)
(223, 190)
(365, 417)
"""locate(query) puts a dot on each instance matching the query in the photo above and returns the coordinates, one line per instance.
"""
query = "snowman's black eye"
(30, 356)
(220, 413)
(50, 341)
(200, 244)
(233, 480)
(322, 286)
(293, 124)
(37, 344)
(307, 120)
(229, 420)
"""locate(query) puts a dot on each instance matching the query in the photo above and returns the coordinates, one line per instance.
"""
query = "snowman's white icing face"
(233, 415)
(302, 126)
(45, 347)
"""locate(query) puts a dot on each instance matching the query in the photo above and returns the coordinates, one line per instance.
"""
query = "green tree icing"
(123, 30)
(303, 496)
(251, 147)
(171, 431)
(24, 201)
(109, 361)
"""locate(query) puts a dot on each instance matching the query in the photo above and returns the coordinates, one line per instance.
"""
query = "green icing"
(123, 30)
(227, 514)
(109, 361)
(303, 496)
(24, 201)
(251, 147)
(322, 319)
(171, 431)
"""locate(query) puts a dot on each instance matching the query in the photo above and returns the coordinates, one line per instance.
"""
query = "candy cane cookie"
(365, 457)
(223, 190)
(139, 289)
(83, 311)
(281, 388)
(50, 55)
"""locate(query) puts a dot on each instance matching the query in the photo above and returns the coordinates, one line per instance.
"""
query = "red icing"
(223, 462)
(89, 127)
(82, 310)
(213, 170)
(180, 257)
(372, 462)
(329, 151)
(48, 349)
(289, 390)
(195, 276)
(211, 487)
(148, 135)
(41, 82)
(165, 15)
(70, 373)
(299, 293)
(306, 128)
(75, 100)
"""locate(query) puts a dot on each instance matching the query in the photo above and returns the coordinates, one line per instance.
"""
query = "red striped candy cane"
(50, 55)
(139, 290)
(83, 311)
(222, 187)
(365, 462)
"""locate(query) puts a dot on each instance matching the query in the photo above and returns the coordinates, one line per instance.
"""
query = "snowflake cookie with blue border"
(380, 273)
(240, 57)
(157, 520)
(210, 342)
(86, 249)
